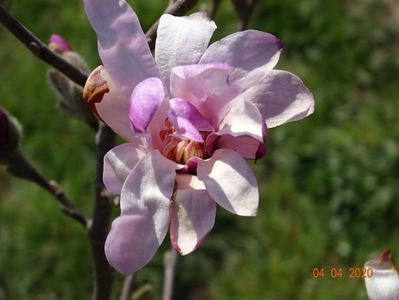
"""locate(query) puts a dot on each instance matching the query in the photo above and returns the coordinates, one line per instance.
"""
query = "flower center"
(181, 150)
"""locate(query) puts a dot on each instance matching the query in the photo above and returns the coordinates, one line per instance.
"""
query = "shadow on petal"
(131, 243)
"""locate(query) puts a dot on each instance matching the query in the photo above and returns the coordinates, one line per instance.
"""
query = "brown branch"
(39, 49)
(176, 8)
(213, 9)
(19, 166)
(98, 230)
(244, 9)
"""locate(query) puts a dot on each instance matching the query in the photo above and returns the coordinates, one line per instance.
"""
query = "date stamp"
(341, 272)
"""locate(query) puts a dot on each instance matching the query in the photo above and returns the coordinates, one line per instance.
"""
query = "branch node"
(35, 48)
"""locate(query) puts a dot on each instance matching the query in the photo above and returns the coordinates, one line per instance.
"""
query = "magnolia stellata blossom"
(383, 282)
(190, 117)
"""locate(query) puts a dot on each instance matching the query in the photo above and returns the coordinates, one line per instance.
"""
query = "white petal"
(242, 119)
(151, 180)
(181, 41)
(122, 45)
(281, 97)
(192, 216)
(230, 182)
(250, 51)
(119, 162)
(114, 109)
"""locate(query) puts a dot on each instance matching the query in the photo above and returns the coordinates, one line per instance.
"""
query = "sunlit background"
(329, 185)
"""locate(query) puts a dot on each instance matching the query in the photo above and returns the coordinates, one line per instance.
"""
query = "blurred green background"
(329, 186)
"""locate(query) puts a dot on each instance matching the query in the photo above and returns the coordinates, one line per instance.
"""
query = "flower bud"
(10, 134)
(382, 278)
(58, 44)
(68, 93)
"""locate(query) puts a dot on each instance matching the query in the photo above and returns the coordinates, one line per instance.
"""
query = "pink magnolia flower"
(190, 118)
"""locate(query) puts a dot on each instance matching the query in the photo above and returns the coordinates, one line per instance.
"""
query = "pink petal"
(187, 120)
(137, 234)
(230, 182)
(192, 216)
(122, 44)
(197, 82)
(242, 119)
(144, 102)
(247, 50)
(245, 145)
(158, 123)
(206, 86)
(61, 44)
(149, 185)
(114, 109)
(262, 149)
(240, 130)
(281, 97)
(181, 41)
(133, 241)
(189, 182)
(119, 162)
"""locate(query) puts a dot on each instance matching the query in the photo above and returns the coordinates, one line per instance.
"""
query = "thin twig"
(170, 259)
(177, 8)
(244, 9)
(19, 166)
(213, 9)
(105, 140)
(39, 49)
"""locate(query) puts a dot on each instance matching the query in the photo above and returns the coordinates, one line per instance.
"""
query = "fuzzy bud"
(69, 94)
(58, 44)
(10, 134)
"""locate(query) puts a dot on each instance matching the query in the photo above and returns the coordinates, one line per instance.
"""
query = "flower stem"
(127, 287)
(170, 260)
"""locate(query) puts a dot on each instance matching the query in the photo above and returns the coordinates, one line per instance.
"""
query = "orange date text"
(341, 272)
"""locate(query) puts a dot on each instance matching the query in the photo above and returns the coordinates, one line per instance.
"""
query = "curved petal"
(249, 50)
(242, 119)
(181, 41)
(281, 97)
(144, 102)
(192, 216)
(119, 162)
(196, 83)
(137, 234)
(205, 86)
(132, 242)
(114, 109)
(122, 44)
(149, 185)
(230, 182)
(158, 123)
(188, 182)
(242, 130)
(187, 120)
(245, 145)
